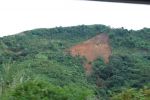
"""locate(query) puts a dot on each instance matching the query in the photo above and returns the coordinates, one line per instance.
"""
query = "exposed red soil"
(93, 48)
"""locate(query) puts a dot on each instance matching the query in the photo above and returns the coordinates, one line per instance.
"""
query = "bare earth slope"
(93, 48)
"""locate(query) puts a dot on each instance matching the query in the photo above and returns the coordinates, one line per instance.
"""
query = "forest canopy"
(34, 65)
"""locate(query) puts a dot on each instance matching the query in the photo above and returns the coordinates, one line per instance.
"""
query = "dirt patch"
(93, 48)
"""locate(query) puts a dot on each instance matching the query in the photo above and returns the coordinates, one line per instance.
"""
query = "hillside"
(92, 49)
(52, 64)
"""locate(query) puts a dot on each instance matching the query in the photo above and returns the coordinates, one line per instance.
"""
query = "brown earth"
(91, 49)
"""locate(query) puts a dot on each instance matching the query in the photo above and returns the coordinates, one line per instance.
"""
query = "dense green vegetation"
(35, 65)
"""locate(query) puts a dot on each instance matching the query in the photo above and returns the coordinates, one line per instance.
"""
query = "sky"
(21, 15)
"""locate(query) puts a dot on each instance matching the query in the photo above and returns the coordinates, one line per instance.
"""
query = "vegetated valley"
(85, 62)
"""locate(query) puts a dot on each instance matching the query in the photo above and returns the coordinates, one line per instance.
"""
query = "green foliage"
(132, 94)
(41, 54)
(42, 90)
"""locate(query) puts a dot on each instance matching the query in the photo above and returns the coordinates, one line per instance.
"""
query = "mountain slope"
(35, 57)
(92, 49)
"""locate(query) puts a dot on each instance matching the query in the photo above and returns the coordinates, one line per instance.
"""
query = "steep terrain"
(92, 49)
(34, 64)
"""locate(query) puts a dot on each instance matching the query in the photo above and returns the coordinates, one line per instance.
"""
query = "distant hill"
(52, 64)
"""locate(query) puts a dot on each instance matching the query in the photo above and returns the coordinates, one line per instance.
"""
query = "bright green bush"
(43, 90)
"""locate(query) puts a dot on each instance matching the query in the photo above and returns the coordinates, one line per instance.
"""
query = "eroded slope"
(93, 48)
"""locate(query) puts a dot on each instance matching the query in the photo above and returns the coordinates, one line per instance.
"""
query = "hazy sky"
(20, 15)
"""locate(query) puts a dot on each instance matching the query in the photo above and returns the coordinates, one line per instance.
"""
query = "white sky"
(20, 15)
